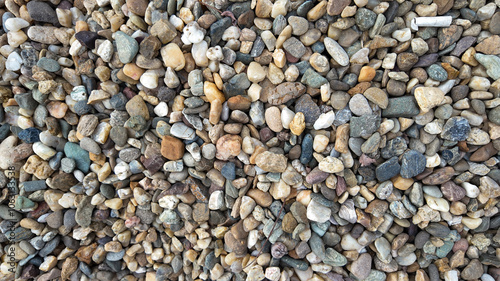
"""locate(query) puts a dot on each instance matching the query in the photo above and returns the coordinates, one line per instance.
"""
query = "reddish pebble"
(461, 244)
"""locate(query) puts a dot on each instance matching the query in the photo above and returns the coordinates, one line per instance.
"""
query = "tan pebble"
(57, 109)
(402, 183)
(320, 142)
(317, 11)
(173, 57)
(48, 263)
(215, 111)
(115, 203)
(133, 71)
(428, 97)
(273, 119)
(298, 124)
(212, 92)
(342, 138)
(366, 74)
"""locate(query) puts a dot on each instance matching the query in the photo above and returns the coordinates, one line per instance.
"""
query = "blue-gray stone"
(118, 101)
(19, 234)
(297, 264)
(443, 251)
(50, 246)
(343, 116)
(320, 228)
(365, 19)
(217, 29)
(82, 108)
(437, 73)
(364, 126)
(127, 47)
(4, 131)
(437, 230)
(229, 171)
(30, 186)
(115, 256)
(55, 161)
(81, 156)
(350, 79)
(412, 164)
(388, 169)
(468, 14)
(244, 58)
(456, 129)
(303, 66)
(257, 47)
(304, 8)
(279, 24)
(210, 260)
(491, 63)
(5, 17)
(30, 135)
(307, 149)
(313, 79)
(26, 101)
(318, 47)
(49, 65)
(401, 107)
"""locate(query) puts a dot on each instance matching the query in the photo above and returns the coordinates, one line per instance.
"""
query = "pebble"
(260, 140)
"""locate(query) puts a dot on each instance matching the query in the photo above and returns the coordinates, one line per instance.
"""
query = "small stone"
(294, 47)
(412, 164)
(317, 212)
(271, 162)
(428, 97)
(173, 57)
(331, 165)
(456, 129)
(336, 51)
(362, 266)
(41, 11)
(308, 107)
(172, 148)
(388, 169)
(127, 47)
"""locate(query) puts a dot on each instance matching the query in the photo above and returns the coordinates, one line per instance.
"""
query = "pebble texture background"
(250, 140)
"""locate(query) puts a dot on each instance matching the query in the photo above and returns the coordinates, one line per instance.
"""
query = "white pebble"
(471, 190)
(75, 48)
(286, 117)
(192, 33)
(233, 32)
(149, 79)
(176, 22)
(432, 161)
(325, 120)
(15, 24)
(161, 109)
(105, 50)
(199, 52)
(13, 62)
(402, 35)
(171, 79)
(215, 53)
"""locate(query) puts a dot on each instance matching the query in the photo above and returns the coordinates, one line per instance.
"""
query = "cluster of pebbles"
(250, 140)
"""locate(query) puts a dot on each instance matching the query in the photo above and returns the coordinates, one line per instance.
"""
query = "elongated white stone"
(443, 21)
